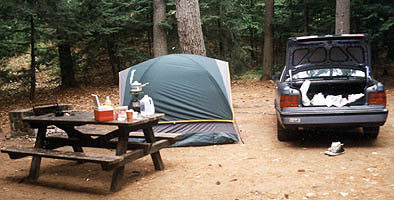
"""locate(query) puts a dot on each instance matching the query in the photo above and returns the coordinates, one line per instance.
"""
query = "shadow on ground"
(324, 138)
(76, 177)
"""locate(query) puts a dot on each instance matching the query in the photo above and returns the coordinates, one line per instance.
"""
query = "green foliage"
(224, 27)
(110, 24)
(108, 35)
(13, 78)
(13, 32)
(252, 74)
(376, 19)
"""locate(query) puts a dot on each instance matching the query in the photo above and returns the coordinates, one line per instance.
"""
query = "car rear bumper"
(325, 118)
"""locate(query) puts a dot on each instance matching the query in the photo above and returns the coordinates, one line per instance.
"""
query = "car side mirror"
(275, 77)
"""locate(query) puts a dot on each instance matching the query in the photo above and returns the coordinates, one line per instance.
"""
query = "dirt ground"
(261, 168)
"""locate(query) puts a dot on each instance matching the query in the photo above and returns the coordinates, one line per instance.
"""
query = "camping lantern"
(135, 102)
(135, 91)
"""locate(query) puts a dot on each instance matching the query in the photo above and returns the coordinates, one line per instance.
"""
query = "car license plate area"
(294, 120)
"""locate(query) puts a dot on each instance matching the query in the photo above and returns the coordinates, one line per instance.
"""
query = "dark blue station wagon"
(327, 82)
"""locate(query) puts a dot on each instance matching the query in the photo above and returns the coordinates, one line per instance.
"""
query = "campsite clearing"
(262, 168)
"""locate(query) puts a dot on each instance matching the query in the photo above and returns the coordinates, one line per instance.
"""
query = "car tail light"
(289, 101)
(377, 98)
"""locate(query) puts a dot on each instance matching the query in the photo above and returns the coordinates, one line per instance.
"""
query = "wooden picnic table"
(117, 139)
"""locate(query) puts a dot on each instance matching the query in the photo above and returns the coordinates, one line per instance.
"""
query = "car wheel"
(371, 132)
(283, 134)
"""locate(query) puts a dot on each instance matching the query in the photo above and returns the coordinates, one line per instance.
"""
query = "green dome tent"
(194, 93)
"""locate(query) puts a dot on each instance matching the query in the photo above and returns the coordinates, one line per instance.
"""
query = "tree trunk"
(190, 34)
(252, 33)
(66, 66)
(150, 39)
(306, 17)
(33, 60)
(159, 33)
(114, 60)
(342, 17)
(221, 33)
(221, 38)
(268, 61)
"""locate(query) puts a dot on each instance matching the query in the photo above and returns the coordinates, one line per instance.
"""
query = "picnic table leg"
(156, 157)
(77, 149)
(121, 148)
(72, 133)
(36, 160)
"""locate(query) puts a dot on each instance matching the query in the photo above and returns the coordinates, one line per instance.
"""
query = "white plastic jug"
(147, 106)
(107, 101)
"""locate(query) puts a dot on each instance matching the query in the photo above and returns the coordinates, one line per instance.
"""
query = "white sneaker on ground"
(335, 149)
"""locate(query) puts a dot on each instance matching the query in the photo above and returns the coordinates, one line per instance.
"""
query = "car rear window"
(334, 54)
(329, 72)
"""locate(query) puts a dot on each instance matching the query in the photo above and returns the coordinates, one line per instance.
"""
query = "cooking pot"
(137, 86)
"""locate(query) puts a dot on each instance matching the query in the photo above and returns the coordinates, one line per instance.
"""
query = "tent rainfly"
(194, 93)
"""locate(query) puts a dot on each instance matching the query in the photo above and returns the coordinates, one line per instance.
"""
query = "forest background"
(99, 38)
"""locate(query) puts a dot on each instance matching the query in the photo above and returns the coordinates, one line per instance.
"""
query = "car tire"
(283, 134)
(371, 132)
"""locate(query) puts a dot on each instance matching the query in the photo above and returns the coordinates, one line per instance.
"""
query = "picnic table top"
(45, 146)
(82, 117)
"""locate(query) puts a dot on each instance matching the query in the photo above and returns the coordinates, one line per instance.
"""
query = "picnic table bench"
(126, 151)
